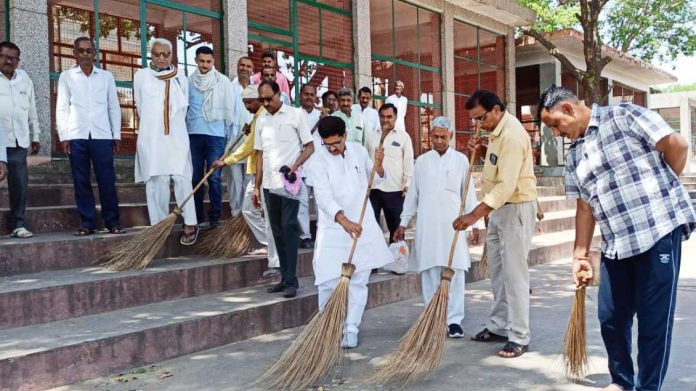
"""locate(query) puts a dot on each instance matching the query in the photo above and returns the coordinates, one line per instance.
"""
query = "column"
(29, 31)
(447, 54)
(551, 147)
(362, 48)
(510, 84)
(236, 33)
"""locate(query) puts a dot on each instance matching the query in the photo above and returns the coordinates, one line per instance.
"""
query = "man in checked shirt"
(623, 168)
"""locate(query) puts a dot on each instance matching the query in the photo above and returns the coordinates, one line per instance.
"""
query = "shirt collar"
(594, 119)
(95, 70)
(503, 121)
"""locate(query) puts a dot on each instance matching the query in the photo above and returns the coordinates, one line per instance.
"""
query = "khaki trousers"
(509, 237)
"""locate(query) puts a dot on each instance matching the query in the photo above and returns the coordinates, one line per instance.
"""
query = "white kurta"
(435, 195)
(340, 183)
(157, 153)
(401, 103)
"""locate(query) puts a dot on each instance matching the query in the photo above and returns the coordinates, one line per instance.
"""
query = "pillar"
(236, 34)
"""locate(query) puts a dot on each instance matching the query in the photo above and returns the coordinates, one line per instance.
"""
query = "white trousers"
(258, 223)
(303, 216)
(236, 184)
(430, 281)
(157, 190)
(509, 237)
(357, 298)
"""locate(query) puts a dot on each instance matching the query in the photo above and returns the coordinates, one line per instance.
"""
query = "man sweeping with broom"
(623, 168)
(340, 174)
(434, 196)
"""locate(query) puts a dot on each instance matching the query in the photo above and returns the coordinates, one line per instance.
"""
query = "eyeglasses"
(266, 99)
(161, 54)
(84, 50)
(331, 146)
(482, 117)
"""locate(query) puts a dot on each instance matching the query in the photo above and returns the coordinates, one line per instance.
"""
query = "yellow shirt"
(508, 172)
(246, 150)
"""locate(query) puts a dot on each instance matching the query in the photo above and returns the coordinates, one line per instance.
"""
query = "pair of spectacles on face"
(84, 50)
(266, 100)
(161, 54)
(331, 146)
(481, 117)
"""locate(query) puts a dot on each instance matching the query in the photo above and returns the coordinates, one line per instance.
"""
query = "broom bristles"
(484, 262)
(574, 343)
(420, 349)
(317, 348)
(230, 240)
(139, 251)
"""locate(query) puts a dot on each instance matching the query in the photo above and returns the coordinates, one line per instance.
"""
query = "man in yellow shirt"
(254, 217)
(509, 202)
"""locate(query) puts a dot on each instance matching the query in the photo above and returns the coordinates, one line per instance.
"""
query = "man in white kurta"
(401, 103)
(163, 153)
(435, 196)
(340, 171)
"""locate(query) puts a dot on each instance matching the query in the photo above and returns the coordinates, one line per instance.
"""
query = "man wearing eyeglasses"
(341, 172)
(282, 143)
(88, 118)
(20, 122)
(163, 151)
(509, 201)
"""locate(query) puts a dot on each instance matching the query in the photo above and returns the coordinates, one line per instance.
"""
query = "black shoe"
(374, 271)
(289, 292)
(455, 331)
(214, 223)
(307, 243)
(280, 287)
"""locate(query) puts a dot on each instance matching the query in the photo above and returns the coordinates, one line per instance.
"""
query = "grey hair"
(161, 41)
(345, 91)
(399, 83)
(552, 97)
(441, 122)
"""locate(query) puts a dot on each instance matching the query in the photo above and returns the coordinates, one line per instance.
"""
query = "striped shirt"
(615, 167)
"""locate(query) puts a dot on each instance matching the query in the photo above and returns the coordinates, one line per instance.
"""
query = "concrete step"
(45, 219)
(55, 295)
(52, 354)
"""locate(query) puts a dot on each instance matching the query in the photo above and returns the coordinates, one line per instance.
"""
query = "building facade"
(442, 50)
(679, 110)
(624, 79)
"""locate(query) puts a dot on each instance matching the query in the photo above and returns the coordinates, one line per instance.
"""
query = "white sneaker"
(350, 340)
(21, 233)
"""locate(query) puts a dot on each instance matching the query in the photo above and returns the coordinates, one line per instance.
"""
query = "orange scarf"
(167, 80)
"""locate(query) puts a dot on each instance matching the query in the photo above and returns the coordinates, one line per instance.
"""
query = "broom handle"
(472, 159)
(212, 169)
(367, 197)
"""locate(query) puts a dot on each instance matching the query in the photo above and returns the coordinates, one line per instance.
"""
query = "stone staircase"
(64, 319)
(690, 183)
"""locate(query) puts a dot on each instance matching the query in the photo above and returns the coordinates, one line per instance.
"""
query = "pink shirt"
(280, 79)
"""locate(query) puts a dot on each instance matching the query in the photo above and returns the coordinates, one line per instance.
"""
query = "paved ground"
(466, 365)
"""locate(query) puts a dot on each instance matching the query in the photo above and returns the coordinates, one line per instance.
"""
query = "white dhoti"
(236, 185)
(303, 216)
(357, 298)
(430, 281)
(157, 190)
(258, 223)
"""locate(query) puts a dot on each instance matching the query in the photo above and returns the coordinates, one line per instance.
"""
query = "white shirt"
(87, 106)
(401, 104)
(18, 110)
(312, 118)
(281, 137)
(370, 117)
(398, 158)
(435, 196)
(340, 183)
(240, 115)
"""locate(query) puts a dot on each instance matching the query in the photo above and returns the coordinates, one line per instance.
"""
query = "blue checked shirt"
(615, 167)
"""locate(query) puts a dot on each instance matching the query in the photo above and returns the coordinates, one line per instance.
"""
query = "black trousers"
(97, 154)
(282, 213)
(17, 182)
(392, 202)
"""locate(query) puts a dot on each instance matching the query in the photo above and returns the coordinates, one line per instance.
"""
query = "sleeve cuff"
(490, 200)
(405, 221)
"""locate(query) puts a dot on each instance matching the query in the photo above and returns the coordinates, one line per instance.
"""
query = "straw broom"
(139, 251)
(420, 350)
(318, 347)
(483, 263)
(575, 342)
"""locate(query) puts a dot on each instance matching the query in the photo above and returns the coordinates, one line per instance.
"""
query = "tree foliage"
(646, 29)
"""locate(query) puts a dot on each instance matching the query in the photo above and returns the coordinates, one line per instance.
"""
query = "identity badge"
(493, 158)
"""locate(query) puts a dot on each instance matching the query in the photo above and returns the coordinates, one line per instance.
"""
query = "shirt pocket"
(490, 170)
(286, 134)
(452, 182)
